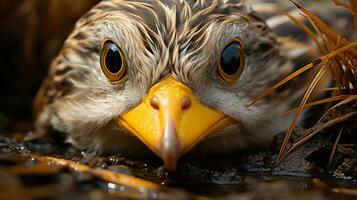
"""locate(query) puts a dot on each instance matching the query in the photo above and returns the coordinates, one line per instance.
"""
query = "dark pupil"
(230, 59)
(113, 60)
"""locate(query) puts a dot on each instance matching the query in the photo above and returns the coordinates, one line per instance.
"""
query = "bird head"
(170, 76)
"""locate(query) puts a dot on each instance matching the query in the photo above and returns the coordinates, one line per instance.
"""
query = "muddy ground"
(42, 169)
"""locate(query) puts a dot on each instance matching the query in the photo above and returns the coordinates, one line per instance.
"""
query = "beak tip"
(170, 146)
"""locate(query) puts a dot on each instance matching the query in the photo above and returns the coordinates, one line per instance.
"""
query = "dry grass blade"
(321, 28)
(352, 192)
(330, 89)
(343, 65)
(323, 126)
(318, 183)
(106, 175)
(341, 60)
(319, 102)
(282, 82)
(346, 101)
(333, 151)
(306, 97)
(137, 188)
(340, 3)
(342, 103)
(302, 70)
(306, 29)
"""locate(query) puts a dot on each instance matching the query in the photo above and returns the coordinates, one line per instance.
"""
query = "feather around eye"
(232, 62)
(112, 62)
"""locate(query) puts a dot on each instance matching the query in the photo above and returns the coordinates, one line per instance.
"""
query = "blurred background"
(31, 32)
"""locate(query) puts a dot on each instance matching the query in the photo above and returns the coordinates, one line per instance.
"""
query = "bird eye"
(112, 62)
(232, 62)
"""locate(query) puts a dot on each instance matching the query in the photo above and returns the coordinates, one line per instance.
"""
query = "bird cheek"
(171, 120)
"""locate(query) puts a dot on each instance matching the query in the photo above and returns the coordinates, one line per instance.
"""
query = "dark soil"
(305, 173)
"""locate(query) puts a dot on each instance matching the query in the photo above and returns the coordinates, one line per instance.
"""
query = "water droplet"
(154, 195)
(111, 186)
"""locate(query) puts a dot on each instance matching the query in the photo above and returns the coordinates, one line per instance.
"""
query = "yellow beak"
(171, 120)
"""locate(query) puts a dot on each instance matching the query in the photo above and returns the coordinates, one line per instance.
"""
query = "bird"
(170, 78)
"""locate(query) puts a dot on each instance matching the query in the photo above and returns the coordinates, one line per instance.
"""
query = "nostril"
(186, 103)
(155, 103)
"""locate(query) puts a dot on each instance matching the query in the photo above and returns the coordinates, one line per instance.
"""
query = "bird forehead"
(169, 25)
(168, 19)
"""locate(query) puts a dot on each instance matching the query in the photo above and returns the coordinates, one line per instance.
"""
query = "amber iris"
(112, 62)
(232, 62)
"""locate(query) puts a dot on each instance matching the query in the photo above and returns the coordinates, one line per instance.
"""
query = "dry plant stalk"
(340, 59)
(352, 192)
(322, 185)
(141, 188)
(106, 175)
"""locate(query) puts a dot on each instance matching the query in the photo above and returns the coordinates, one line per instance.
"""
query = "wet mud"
(43, 169)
